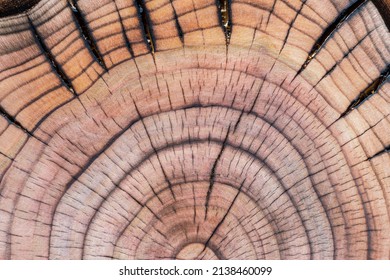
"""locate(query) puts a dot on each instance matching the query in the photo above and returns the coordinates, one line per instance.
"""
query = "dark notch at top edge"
(179, 29)
(86, 33)
(224, 13)
(330, 30)
(15, 7)
(55, 66)
(146, 24)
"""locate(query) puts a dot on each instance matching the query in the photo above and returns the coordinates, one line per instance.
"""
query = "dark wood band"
(13, 7)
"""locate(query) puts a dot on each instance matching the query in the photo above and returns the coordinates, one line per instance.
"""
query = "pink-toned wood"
(186, 129)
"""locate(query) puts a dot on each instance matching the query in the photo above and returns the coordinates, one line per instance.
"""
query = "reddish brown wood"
(180, 129)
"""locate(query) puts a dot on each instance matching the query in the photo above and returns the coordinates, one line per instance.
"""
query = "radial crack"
(11, 119)
(291, 25)
(155, 150)
(330, 30)
(270, 12)
(127, 42)
(385, 150)
(223, 218)
(224, 12)
(179, 30)
(146, 24)
(212, 173)
(368, 92)
(86, 33)
(54, 64)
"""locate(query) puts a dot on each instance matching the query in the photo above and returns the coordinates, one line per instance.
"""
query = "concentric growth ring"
(215, 140)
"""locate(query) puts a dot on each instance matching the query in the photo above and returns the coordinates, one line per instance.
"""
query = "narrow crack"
(12, 120)
(223, 218)
(291, 26)
(270, 12)
(146, 24)
(385, 150)
(155, 151)
(224, 12)
(179, 29)
(212, 173)
(330, 30)
(54, 64)
(224, 144)
(82, 25)
(368, 92)
(127, 42)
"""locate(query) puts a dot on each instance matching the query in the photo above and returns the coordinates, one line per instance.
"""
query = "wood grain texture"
(384, 9)
(186, 129)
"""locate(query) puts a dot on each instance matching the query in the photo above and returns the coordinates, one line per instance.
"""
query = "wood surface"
(194, 129)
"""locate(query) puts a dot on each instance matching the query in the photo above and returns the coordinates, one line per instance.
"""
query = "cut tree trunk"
(188, 129)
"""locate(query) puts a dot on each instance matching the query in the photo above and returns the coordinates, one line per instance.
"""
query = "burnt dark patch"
(14, 7)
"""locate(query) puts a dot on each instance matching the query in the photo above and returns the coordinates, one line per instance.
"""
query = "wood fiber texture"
(194, 129)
